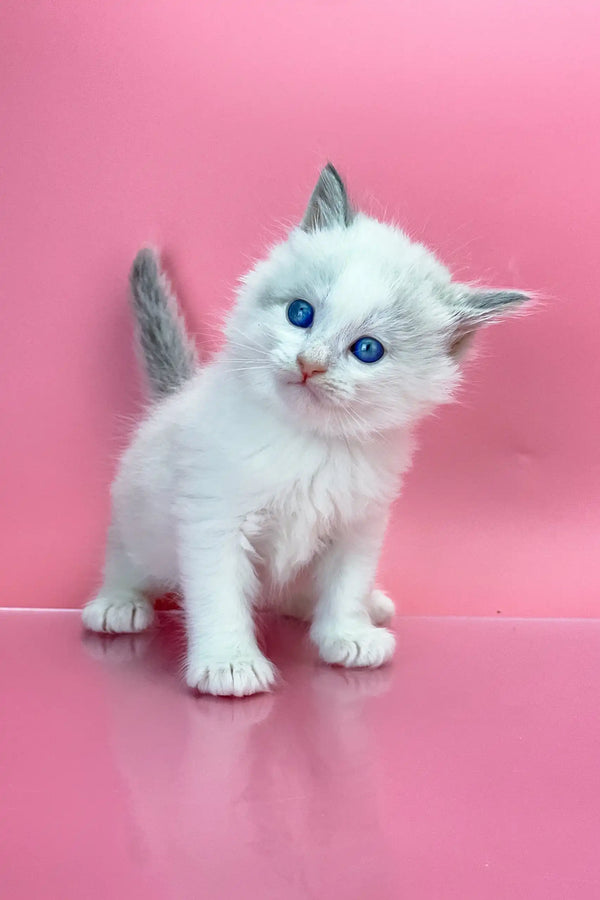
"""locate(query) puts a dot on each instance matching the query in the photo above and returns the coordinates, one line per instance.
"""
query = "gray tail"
(168, 353)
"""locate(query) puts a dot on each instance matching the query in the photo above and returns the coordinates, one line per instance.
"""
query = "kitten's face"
(357, 279)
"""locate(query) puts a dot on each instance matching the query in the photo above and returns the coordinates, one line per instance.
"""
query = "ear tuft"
(328, 206)
(492, 304)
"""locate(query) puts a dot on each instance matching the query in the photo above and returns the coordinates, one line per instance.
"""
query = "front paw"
(120, 614)
(241, 676)
(355, 646)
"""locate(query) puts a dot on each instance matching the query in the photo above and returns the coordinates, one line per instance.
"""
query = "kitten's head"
(349, 327)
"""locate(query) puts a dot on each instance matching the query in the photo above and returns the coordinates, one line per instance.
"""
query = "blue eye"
(367, 349)
(300, 313)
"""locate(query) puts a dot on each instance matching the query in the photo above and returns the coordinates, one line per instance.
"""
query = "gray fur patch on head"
(328, 206)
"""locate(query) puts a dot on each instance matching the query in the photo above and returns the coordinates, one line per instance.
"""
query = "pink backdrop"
(201, 127)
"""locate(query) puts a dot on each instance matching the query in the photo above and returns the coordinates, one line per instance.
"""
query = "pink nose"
(309, 368)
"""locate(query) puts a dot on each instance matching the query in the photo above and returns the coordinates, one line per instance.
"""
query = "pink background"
(201, 127)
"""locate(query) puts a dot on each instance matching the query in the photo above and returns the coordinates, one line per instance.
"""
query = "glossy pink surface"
(467, 769)
(201, 127)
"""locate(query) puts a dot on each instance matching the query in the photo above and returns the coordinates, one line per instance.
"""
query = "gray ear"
(328, 205)
(474, 308)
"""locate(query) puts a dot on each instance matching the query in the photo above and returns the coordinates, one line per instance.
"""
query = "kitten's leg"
(342, 628)
(219, 586)
(120, 605)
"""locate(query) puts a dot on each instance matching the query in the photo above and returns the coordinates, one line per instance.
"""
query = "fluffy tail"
(168, 353)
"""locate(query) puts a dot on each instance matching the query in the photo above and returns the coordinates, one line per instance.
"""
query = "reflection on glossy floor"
(468, 769)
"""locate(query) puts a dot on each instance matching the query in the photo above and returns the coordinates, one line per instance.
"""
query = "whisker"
(247, 368)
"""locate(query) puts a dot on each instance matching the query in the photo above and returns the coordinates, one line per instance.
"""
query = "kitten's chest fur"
(320, 491)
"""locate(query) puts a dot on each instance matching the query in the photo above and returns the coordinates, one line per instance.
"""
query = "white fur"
(247, 482)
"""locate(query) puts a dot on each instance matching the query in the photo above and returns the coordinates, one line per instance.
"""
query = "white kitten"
(269, 472)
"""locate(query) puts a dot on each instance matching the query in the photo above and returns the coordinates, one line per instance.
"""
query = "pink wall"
(201, 127)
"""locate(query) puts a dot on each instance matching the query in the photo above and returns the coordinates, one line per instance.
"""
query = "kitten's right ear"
(473, 308)
(328, 205)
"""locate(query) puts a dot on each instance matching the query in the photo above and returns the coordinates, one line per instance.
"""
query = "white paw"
(381, 608)
(238, 677)
(357, 646)
(118, 615)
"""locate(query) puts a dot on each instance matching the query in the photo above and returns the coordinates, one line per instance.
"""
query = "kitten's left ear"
(328, 205)
(474, 308)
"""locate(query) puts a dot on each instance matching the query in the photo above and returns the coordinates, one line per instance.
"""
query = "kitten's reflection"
(220, 784)
(117, 648)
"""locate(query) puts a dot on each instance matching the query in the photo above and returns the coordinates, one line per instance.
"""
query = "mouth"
(305, 387)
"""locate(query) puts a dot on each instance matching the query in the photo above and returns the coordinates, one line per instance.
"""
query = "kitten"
(270, 471)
